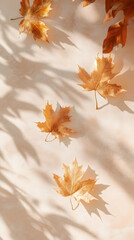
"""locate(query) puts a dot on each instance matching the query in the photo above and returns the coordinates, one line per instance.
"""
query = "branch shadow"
(69, 16)
(10, 106)
(20, 215)
(106, 154)
(59, 230)
(21, 71)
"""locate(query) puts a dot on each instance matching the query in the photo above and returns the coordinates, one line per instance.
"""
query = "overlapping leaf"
(56, 122)
(73, 185)
(115, 6)
(117, 33)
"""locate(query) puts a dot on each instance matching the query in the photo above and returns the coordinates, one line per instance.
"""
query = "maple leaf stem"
(73, 208)
(16, 18)
(46, 139)
(96, 100)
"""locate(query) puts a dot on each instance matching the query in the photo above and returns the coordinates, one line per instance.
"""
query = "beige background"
(32, 73)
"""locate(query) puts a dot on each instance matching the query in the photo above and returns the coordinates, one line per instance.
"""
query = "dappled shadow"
(24, 74)
(10, 106)
(69, 16)
(110, 154)
(59, 226)
(13, 213)
(17, 211)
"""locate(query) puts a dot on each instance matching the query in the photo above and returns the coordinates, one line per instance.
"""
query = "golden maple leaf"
(32, 18)
(100, 78)
(73, 185)
(55, 122)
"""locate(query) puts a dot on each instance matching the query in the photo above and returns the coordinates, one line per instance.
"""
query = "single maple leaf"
(55, 122)
(73, 185)
(100, 78)
(117, 34)
(32, 18)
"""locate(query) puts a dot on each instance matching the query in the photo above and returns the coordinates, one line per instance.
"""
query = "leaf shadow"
(77, 125)
(98, 204)
(125, 80)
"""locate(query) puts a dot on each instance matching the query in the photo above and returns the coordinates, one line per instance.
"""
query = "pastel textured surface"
(32, 73)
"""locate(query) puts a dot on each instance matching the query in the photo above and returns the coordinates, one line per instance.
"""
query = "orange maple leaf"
(117, 33)
(73, 185)
(55, 122)
(115, 6)
(100, 78)
(32, 18)
(110, 3)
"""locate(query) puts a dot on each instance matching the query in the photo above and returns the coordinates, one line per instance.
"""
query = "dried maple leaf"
(109, 4)
(32, 16)
(100, 78)
(55, 122)
(117, 34)
(115, 6)
(73, 185)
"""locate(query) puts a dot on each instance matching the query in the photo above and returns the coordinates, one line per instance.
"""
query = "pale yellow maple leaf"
(73, 185)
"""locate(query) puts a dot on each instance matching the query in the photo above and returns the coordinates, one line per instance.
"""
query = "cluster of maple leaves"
(72, 183)
(117, 34)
